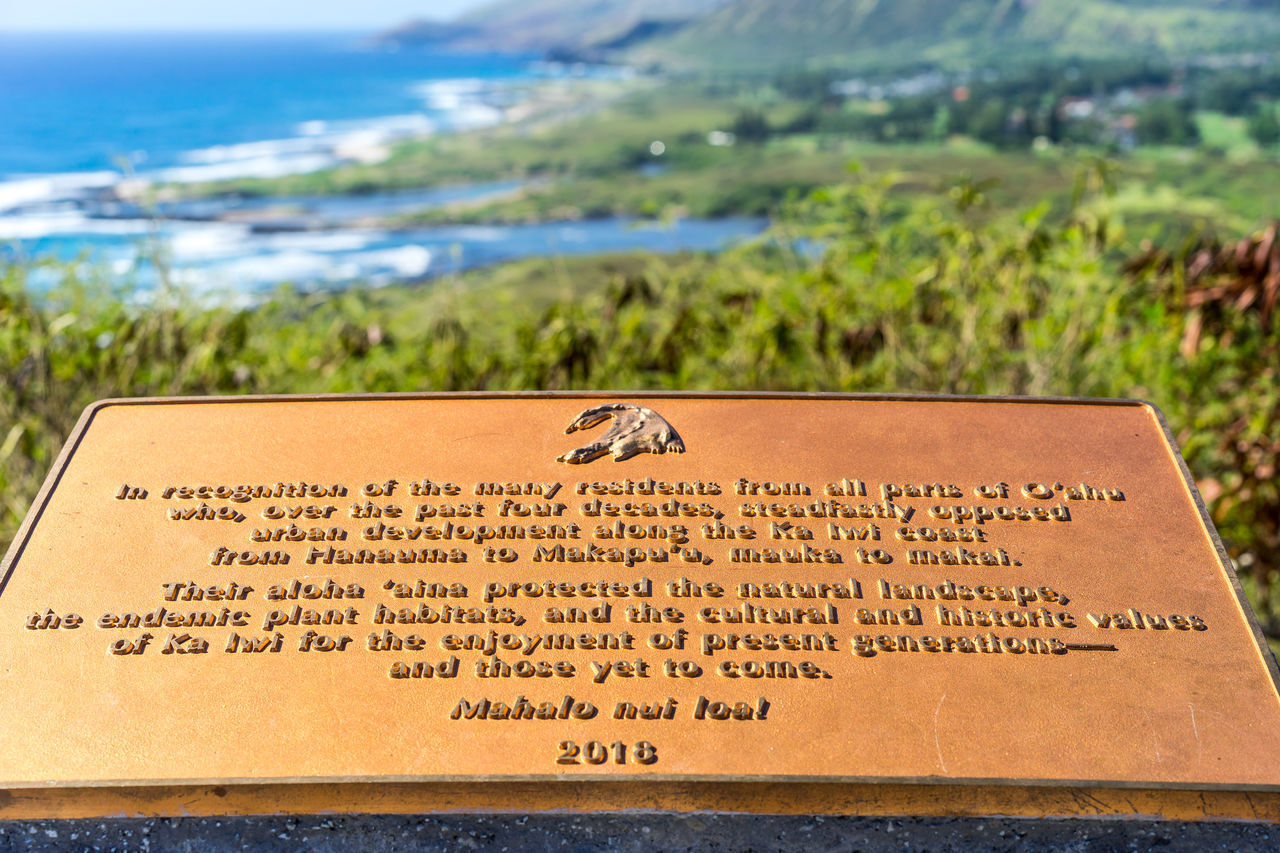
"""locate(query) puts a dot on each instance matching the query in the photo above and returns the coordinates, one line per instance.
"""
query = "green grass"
(1228, 134)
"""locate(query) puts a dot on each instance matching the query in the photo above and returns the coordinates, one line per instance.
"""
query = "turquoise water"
(87, 102)
(89, 118)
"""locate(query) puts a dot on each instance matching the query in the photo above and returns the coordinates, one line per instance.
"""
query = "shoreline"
(521, 105)
(466, 106)
(249, 232)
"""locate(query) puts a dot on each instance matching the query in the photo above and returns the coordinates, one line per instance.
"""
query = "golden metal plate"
(765, 603)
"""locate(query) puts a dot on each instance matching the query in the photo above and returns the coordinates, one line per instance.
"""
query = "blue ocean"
(92, 120)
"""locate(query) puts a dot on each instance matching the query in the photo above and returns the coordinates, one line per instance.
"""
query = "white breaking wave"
(454, 104)
(104, 212)
(466, 103)
(63, 186)
(207, 242)
(70, 222)
(320, 145)
(400, 262)
(475, 233)
(445, 95)
(265, 271)
(267, 166)
(346, 240)
(212, 242)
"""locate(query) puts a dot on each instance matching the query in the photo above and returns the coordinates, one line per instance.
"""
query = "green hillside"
(895, 33)
(554, 25)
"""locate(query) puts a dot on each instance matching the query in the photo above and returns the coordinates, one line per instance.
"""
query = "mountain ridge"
(553, 25)
(860, 34)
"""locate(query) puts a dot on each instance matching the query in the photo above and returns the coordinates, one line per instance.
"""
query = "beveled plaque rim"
(719, 778)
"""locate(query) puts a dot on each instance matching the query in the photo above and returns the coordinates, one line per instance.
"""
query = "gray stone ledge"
(626, 832)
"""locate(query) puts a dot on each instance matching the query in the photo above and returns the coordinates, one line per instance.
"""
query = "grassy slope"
(1161, 193)
(879, 35)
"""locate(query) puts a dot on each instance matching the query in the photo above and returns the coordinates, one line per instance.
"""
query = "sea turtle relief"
(635, 429)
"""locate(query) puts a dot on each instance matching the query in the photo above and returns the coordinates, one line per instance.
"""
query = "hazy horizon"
(80, 16)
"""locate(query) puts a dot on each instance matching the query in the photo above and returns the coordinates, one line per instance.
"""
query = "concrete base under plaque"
(337, 833)
(780, 604)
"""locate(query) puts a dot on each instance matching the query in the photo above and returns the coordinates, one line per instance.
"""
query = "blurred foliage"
(60, 349)
(858, 287)
(1264, 125)
(1227, 295)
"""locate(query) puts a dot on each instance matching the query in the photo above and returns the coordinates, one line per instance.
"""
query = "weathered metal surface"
(764, 603)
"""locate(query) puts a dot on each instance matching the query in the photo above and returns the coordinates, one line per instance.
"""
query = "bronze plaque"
(743, 602)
